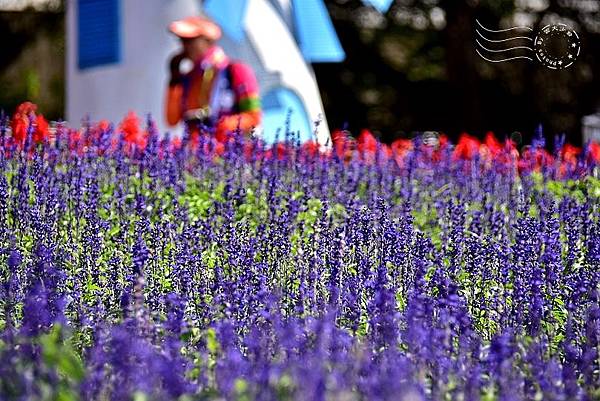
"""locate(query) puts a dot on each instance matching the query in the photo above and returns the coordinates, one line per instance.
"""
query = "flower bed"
(136, 268)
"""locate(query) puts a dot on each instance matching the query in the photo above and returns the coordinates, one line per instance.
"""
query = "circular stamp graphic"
(557, 46)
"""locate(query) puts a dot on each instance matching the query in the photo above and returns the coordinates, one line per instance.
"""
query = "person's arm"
(173, 101)
(173, 104)
(245, 87)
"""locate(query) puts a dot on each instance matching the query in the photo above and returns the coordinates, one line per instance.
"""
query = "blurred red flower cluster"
(490, 152)
(30, 128)
(25, 121)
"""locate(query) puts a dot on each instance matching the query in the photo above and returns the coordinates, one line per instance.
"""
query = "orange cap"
(193, 27)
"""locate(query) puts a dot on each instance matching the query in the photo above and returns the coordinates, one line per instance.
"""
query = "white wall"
(138, 81)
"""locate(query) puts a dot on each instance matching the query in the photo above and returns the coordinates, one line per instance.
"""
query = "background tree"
(415, 68)
(32, 60)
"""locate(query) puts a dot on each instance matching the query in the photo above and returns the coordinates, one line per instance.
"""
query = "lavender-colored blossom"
(214, 272)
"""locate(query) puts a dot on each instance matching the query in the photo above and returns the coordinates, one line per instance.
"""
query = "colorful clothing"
(227, 89)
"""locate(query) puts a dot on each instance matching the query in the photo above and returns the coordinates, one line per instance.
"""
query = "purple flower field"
(195, 276)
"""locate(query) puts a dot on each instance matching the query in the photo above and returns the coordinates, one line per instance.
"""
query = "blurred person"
(217, 93)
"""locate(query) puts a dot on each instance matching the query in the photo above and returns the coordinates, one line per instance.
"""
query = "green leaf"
(139, 396)
(60, 355)
(211, 341)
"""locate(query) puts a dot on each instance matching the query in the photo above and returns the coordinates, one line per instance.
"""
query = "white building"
(591, 127)
(117, 55)
(118, 51)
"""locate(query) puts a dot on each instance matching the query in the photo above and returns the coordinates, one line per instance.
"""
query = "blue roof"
(229, 14)
(381, 5)
(315, 33)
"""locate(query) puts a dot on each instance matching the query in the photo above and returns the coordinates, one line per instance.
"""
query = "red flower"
(401, 145)
(309, 148)
(399, 149)
(279, 150)
(493, 145)
(222, 134)
(370, 148)
(130, 128)
(443, 141)
(23, 116)
(594, 152)
(386, 151)
(366, 142)
(337, 135)
(75, 141)
(42, 130)
(19, 126)
(26, 108)
(176, 143)
(103, 125)
(569, 153)
(467, 147)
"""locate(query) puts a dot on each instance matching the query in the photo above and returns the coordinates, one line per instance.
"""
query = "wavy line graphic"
(502, 30)
(502, 40)
(504, 59)
(503, 53)
(502, 50)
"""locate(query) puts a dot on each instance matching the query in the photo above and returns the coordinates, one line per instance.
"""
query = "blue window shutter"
(315, 32)
(99, 36)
